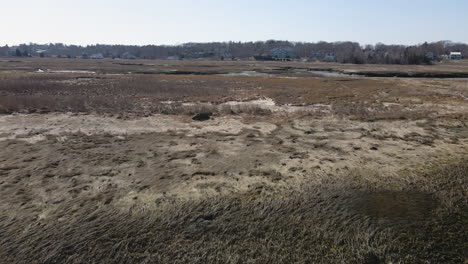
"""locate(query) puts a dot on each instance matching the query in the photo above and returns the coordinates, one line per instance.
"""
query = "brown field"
(101, 162)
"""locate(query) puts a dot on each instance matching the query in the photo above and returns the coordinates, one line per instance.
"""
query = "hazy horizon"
(207, 42)
(144, 22)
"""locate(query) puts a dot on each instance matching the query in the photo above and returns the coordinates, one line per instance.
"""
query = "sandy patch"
(26, 127)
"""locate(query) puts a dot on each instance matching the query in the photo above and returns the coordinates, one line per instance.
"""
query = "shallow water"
(329, 74)
(248, 73)
(63, 71)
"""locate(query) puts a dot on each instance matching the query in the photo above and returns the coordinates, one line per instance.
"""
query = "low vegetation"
(343, 220)
(111, 161)
(145, 94)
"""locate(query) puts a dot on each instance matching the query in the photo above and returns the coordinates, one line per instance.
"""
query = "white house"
(175, 57)
(329, 57)
(282, 53)
(128, 56)
(456, 55)
(97, 56)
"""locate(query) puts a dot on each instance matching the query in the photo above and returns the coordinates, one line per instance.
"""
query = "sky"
(170, 22)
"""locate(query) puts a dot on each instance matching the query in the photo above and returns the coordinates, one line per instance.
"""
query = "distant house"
(322, 56)
(12, 51)
(226, 55)
(430, 56)
(316, 55)
(97, 56)
(329, 57)
(174, 57)
(456, 56)
(282, 53)
(128, 56)
(200, 54)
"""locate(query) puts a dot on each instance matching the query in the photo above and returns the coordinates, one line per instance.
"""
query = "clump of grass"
(369, 112)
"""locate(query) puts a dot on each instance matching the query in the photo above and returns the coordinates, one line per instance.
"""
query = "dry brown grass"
(351, 221)
(148, 94)
(369, 113)
(122, 94)
(203, 66)
(58, 211)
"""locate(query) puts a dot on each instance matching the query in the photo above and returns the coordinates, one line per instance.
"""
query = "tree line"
(342, 52)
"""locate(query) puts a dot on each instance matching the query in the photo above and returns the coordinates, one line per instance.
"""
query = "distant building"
(226, 55)
(282, 53)
(456, 56)
(128, 56)
(97, 56)
(12, 51)
(322, 56)
(430, 56)
(444, 57)
(199, 54)
(329, 57)
(316, 55)
(173, 58)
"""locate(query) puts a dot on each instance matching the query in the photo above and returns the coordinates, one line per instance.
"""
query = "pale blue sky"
(142, 22)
